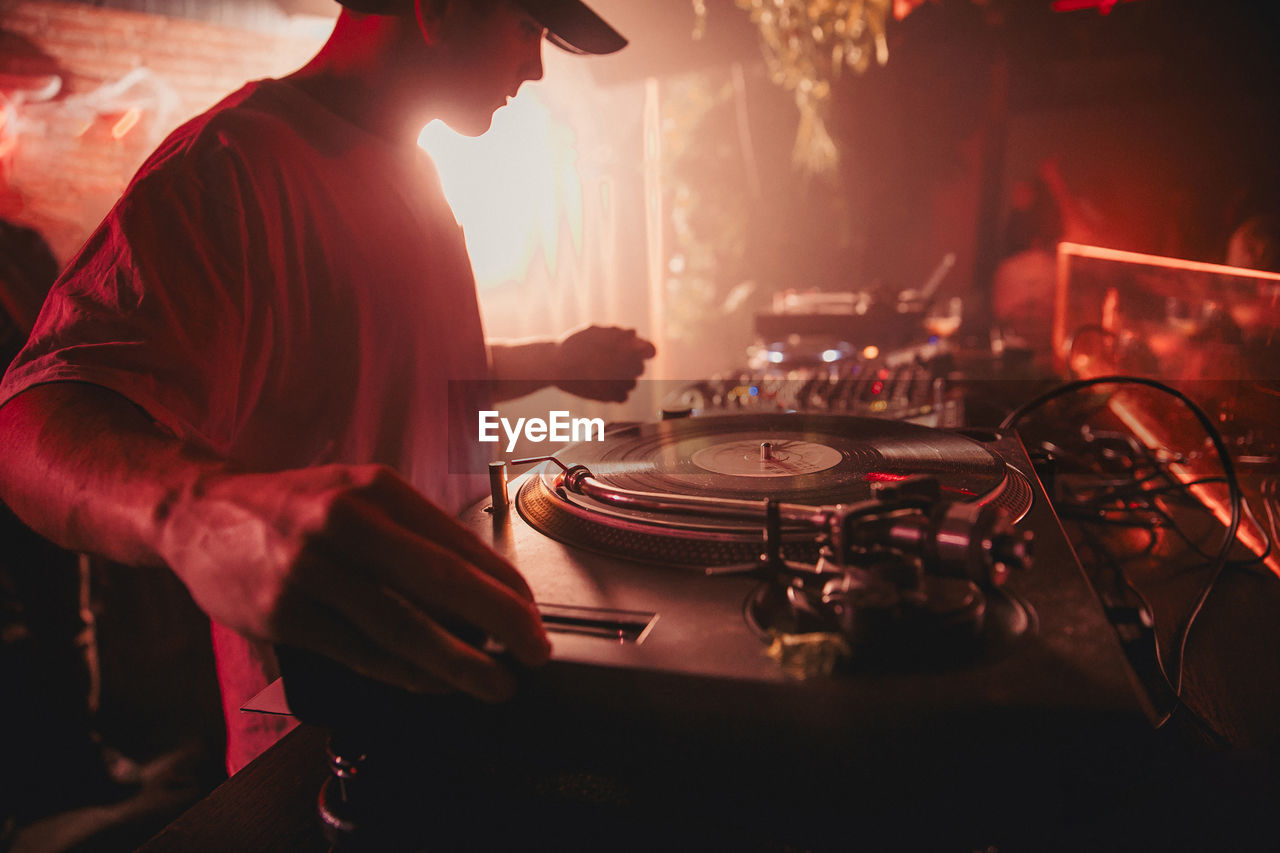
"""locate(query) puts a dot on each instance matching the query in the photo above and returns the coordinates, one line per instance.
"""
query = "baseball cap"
(570, 24)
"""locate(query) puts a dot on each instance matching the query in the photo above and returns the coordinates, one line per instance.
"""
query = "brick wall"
(128, 78)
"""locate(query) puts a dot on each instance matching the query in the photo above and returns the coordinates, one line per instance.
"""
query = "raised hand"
(601, 362)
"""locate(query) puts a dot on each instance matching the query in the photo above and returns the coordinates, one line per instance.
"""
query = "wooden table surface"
(268, 806)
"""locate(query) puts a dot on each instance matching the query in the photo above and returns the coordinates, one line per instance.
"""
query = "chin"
(473, 125)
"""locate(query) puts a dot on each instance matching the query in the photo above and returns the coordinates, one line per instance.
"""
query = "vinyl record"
(815, 459)
(810, 459)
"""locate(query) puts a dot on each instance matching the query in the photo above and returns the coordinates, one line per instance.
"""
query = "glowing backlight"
(512, 188)
(1083, 251)
(8, 129)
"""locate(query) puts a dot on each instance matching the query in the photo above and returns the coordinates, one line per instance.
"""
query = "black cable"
(1127, 588)
(1088, 505)
(1235, 496)
(1134, 490)
(1253, 560)
(1092, 508)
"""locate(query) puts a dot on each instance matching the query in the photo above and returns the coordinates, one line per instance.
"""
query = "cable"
(1135, 491)
(1236, 497)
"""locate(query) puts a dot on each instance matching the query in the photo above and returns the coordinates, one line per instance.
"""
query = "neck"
(362, 74)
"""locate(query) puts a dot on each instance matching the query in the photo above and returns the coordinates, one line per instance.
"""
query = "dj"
(243, 374)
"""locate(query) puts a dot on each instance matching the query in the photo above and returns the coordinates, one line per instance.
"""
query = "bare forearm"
(345, 560)
(90, 471)
(598, 363)
(521, 367)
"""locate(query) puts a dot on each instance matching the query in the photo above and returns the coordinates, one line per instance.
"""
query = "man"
(1255, 244)
(243, 374)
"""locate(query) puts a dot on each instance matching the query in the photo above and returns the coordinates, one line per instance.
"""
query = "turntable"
(845, 522)
(786, 616)
(678, 534)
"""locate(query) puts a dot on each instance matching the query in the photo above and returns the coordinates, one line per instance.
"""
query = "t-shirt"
(284, 289)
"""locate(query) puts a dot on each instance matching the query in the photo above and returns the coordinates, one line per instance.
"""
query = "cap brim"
(369, 7)
(573, 26)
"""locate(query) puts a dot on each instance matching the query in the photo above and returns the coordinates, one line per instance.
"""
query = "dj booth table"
(1202, 804)
(1068, 781)
(1205, 801)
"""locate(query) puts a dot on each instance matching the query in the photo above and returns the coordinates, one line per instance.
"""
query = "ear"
(431, 15)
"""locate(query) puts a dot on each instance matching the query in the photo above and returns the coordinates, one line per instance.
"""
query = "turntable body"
(663, 703)
(1067, 661)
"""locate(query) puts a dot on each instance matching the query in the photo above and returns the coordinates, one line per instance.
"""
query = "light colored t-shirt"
(286, 290)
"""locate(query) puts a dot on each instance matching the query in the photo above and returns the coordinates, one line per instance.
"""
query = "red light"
(8, 133)
(958, 490)
(1104, 7)
(1083, 251)
(877, 387)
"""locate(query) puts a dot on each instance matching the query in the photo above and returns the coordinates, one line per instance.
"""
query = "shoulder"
(248, 133)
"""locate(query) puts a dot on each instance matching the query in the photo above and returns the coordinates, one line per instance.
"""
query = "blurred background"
(682, 184)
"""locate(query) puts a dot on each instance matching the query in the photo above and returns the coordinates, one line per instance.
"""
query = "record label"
(767, 458)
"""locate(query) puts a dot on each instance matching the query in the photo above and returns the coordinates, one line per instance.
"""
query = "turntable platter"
(792, 458)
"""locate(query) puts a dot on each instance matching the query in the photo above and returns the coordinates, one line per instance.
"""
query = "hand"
(354, 564)
(601, 363)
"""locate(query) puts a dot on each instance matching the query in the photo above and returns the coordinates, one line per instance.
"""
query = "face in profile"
(487, 50)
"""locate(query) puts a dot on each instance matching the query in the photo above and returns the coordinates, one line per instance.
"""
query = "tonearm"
(909, 519)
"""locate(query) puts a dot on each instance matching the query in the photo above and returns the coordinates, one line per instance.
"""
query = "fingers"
(420, 515)
(606, 390)
(390, 531)
(393, 643)
(644, 349)
(411, 510)
(628, 359)
(627, 344)
(619, 390)
(603, 362)
(353, 563)
(442, 584)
